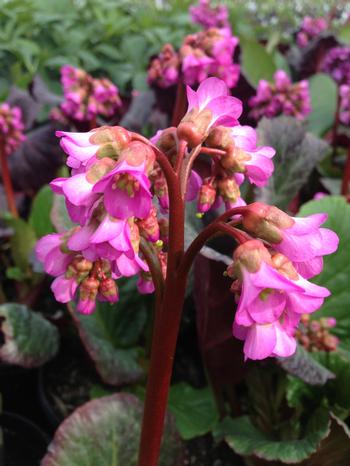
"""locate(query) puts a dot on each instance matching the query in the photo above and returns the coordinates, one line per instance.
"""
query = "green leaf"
(194, 410)
(344, 33)
(336, 271)
(39, 217)
(106, 431)
(257, 63)
(30, 340)
(304, 366)
(59, 215)
(245, 439)
(323, 92)
(22, 241)
(297, 153)
(111, 333)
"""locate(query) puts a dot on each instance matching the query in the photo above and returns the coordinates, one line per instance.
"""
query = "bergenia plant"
(128, 196)
(281, 98)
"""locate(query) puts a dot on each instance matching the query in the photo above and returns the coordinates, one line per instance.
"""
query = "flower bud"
(234, 159)
(266, 221)
(164, 230)
(87, 295)
(149, 227)
(109, 290)
(207, 196)
(99, 170)
(228, 189)
(219, 137)
(250, 255)
(167, 139)
(194, 126)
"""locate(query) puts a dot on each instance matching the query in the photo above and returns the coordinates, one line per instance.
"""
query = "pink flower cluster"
(281, 98)
(272, 284)
(310, 28)
(209, 16)
(164, 69)
(314, 335)
(344, 114)
(337, 64)
(115, 180)
(109, 196)
(11, 128)
(86, 97)
(207, 53)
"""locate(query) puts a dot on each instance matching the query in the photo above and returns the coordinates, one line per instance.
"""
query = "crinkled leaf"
(297, 153)
(111, 333)
(323, 92)
(194, 410)
(304, 366)
(39, 217)
(59, 214)
(106, 431)
(245, 439)
(257, 63)
(29, 339)
(336, 271)
(22, 241)
(36, 160)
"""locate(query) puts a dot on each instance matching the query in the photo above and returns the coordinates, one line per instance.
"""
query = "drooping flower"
(11, 128)
(310, 28)
(273, 296)
(164, 69)
(209, 16)
(281, 98)
(300, 239)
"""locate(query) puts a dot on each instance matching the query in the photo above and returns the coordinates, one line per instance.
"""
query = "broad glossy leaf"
(336, 271)
(29, 339)
(39, 217)
(297, 154)
(106, 431)
(323, 92)
(257, 63)
(194, 410)
(245, 439)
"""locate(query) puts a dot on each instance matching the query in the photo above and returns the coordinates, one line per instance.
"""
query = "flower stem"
(180, 104)
(346, 176)
(6, 179)
(165, 331)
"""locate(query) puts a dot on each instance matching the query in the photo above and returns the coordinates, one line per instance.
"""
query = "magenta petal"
(222, 106)
(80, 139)
(78, 190)
(268, 277)
(304, 225)
(64, 289)
(310, 268)
(107, 230)
(239, 331)
(303, 304)
(191, 98)
(268, 310)
(330, 241)
(45, 244)
(260, 341)
(80, 239)
(194, 183)
(127, 267)
(313, 290)
(285, 344)
(81, 153)
(56, 262)
(210, 89)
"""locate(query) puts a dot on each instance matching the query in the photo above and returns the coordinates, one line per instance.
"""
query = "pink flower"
(272, 297)
(211, 105)
(64, 288)
(125, 191)
(209, 16)
(145, 284)
(258, 166)
(49, 250)
(11, 128)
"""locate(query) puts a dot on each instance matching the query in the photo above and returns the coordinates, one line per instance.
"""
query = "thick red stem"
(166, 328)
(6, 179)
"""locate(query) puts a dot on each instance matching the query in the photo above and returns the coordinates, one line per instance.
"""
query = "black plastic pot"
(24, 444)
